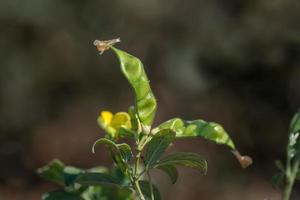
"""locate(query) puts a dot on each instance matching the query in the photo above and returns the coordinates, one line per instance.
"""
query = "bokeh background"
(230, 61)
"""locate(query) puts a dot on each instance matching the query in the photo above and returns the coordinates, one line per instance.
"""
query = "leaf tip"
(205, 168)
(94, 146)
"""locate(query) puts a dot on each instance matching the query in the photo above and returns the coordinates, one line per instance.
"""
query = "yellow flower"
(111, 123)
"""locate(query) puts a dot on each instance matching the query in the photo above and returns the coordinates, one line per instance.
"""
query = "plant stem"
(151, 186)
(138, 188)
(136, 178)
(137, 162)
(287, 190)
(291, 175)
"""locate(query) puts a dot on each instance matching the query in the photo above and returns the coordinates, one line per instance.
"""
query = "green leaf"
(293, 147)
(120, 175)
(125, 151)
(171, 171)
(278, 180)
(145, 187)
(125, 132)
(98, 169)
(116, 193)
(70, 174)
(280, 165)
(295, 123)
(121, 153)
(192, 160)
(53, 172)
(94, 179)
(60, 195)
(134, 72)
(197, 128)
(157, 146)
(92, 193)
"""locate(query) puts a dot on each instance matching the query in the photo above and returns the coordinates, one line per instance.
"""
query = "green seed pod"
(134, 72)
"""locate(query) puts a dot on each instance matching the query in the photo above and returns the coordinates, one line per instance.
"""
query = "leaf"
(124, 194)
(125, 132)
(108, 143)
(125, 151)
(53, 172)
(197, 128)
(280, 165)
(60, 195)
(119, 174)
(171, 171)
(116, 193)
(121, 153)
(70, 174)
(134, 72)
(145, 187)
(293, 147)
(94, 179)
(295, 123)
(192, 160)
(157, 146)
(107, 193)
(97, 169)
(92, 193)
(278, 180)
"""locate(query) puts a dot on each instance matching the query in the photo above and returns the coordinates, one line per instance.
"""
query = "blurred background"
(233, 62)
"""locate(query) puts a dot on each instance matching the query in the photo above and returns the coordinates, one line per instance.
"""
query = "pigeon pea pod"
(134, 72)
(207, 130)
(197, 128)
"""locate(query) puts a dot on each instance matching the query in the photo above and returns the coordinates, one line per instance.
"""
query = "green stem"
(138, 188)
(291, 175)
(136, 179)
(136, 176)
(288, 190)
(137, 162)
(151, 186)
